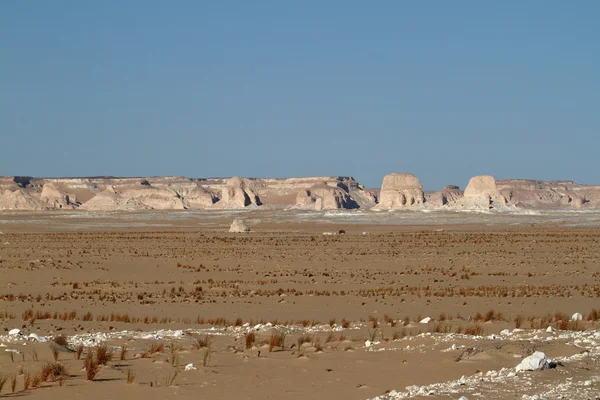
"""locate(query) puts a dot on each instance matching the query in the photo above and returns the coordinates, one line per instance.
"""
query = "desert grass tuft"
(130, 376)
(103, 354)
(3, 379)
(91, 366)
(250, 340)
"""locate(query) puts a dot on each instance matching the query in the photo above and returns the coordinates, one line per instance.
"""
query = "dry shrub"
(156, 348)
(474, 330)
(130, 376)
(123, 353)
(277, 340)
(103, 354)
(79, 351)
(250, 340)
(53, 372)
(345, 323)
(61, 341)
(518, 321)
(3, 379)
(36, 380)
(201, 343)
(91, 366)
(13, 382)
(330, 338)
(27, 378)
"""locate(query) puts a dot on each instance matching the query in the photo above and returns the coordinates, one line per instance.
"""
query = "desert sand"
(386, 305)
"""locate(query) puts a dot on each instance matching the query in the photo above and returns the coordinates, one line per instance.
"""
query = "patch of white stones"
(513, 382)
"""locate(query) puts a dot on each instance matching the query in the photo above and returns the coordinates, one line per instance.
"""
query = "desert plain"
(406, 304)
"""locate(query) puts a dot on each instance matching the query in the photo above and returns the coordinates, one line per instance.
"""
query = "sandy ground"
(312, 301)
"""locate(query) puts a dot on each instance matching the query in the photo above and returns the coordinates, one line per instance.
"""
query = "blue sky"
(444, 90)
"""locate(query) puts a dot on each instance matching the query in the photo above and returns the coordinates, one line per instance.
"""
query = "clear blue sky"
(442, 89)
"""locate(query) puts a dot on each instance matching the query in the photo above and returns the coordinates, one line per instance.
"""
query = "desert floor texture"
(403, 305)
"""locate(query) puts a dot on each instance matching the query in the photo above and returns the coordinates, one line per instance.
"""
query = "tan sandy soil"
(117, 282)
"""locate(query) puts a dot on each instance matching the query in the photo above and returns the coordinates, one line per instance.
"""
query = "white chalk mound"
(400, 191)
(577, 317)
(324, 197)
(238, 226)
(481, 194)
(535, 362)
(238, 193)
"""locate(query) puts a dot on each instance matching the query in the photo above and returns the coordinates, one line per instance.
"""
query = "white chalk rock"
(367, 343)
(463, 398)
(425, 320)
(576, 317)
(238, 226)
(549, 329)
(535, 362)
(190, 367)
(15, 332)
(37, 338)
(454, 347)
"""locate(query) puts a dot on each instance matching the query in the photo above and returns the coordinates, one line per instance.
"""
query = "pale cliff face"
(399, 191)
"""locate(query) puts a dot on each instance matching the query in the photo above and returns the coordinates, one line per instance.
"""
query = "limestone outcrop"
(238, 226)
(324, 197)
(400, 191)
(449, 194)
(238, 193)
(481, 194)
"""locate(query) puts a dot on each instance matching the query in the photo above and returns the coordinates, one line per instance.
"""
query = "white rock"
(454, 347)
(463, 398)
(37, 338)
(15, 332)
(425, 320)
(535, 362)
(549, 329)
(367, 343)
(12, 351)
(190, 367)
(576, 317)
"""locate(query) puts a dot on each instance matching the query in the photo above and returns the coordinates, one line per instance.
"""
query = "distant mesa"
(400, 191)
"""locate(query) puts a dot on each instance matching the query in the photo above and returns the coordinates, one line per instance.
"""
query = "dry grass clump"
(130, 376)
(156, 348)
(52, 372)
(103, 354)
(79, 351)
(91, 366)
(3, 379)
(277, 339)
(474, 330)
(518, 321)
(201, 342)
(250, 340)
(123, 353)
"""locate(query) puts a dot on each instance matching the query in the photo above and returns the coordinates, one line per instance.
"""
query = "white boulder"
(535, 362)
(238, 226)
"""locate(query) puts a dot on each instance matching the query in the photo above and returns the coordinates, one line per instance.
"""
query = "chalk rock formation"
(449, 194)
(197, 198)
(400, 191)
(109, 200)
(55, 198)
(324, 197)
(481, 194)
(157, 198)
(238, 194)
(238, 226)
(21, 200)
(535, 362)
